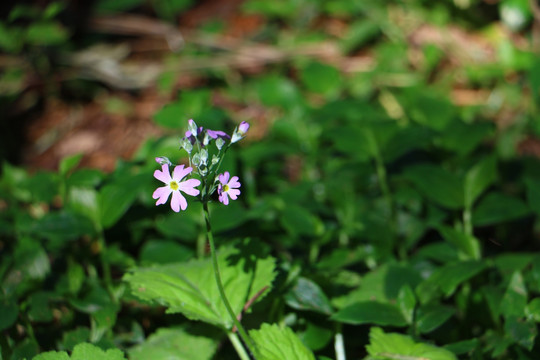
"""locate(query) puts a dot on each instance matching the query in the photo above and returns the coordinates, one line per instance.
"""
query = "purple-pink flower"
(228, 188)
(174, 185)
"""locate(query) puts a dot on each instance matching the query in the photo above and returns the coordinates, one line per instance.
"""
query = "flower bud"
(192, 127)
(219, 143)
(196, 159)
(204, 156)
(162, 160)
(186, 145)
(240, 132)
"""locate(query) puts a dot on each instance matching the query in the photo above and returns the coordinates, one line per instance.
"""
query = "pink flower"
(174, 185)
(228, 188)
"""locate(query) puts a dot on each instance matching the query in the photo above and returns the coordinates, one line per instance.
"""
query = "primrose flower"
(240, 132)
(174, 185)
(228, 188)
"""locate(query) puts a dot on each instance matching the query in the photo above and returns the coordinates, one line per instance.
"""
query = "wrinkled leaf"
(275, 343)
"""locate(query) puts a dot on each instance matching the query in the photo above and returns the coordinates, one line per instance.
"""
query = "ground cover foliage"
(386, 213)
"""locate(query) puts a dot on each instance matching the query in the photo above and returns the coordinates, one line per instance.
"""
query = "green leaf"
(514, 300)
(406, 302)
(84, 201)
(429, 108)
(275, 343)
(9, 311)
(52, 355)
(467, 244)
(478, 178)
(447, 278)
(521, 331)
(371, 312)
(69, 163)
(192, 105)
(71, 338)
(533, 310)
(164, 252)
(321, 78)
(177, 344)
(357, 142)
(382, 284)
(114, 199)
(307, 295)
(463, 347)
(316, 337)
(39, 309)
(394, 346)
(276, 90)
(430, 317)
(437, 184)
(169, 225)
(87, 351)
(464, 138)
(190, 287)
(496, 208)
(299, 221)
(170, 116)
(46, 33)
(25, 349)
(64, 225)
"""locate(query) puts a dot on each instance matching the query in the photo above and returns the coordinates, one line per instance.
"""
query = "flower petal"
(234, 183)
(188, 186)
(164, 175)
(162, 194)
(224, 178)
(233, 193)
(178, 201)
(179, 172)
(223, 198)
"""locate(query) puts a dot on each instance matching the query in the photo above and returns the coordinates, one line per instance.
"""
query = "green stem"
(237, 344)
(243, 334)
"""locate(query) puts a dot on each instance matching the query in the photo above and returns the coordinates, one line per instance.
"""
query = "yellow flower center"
(173, 185)
(225, 188)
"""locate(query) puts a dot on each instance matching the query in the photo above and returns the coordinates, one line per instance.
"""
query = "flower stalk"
(242, 332)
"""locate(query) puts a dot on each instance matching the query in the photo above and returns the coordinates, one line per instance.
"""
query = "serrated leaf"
(307, 295)
(275, 343)
(190, 288)
(52, 355)
(87, 351)
(393, 346)
(174, 344)
(371, 312)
